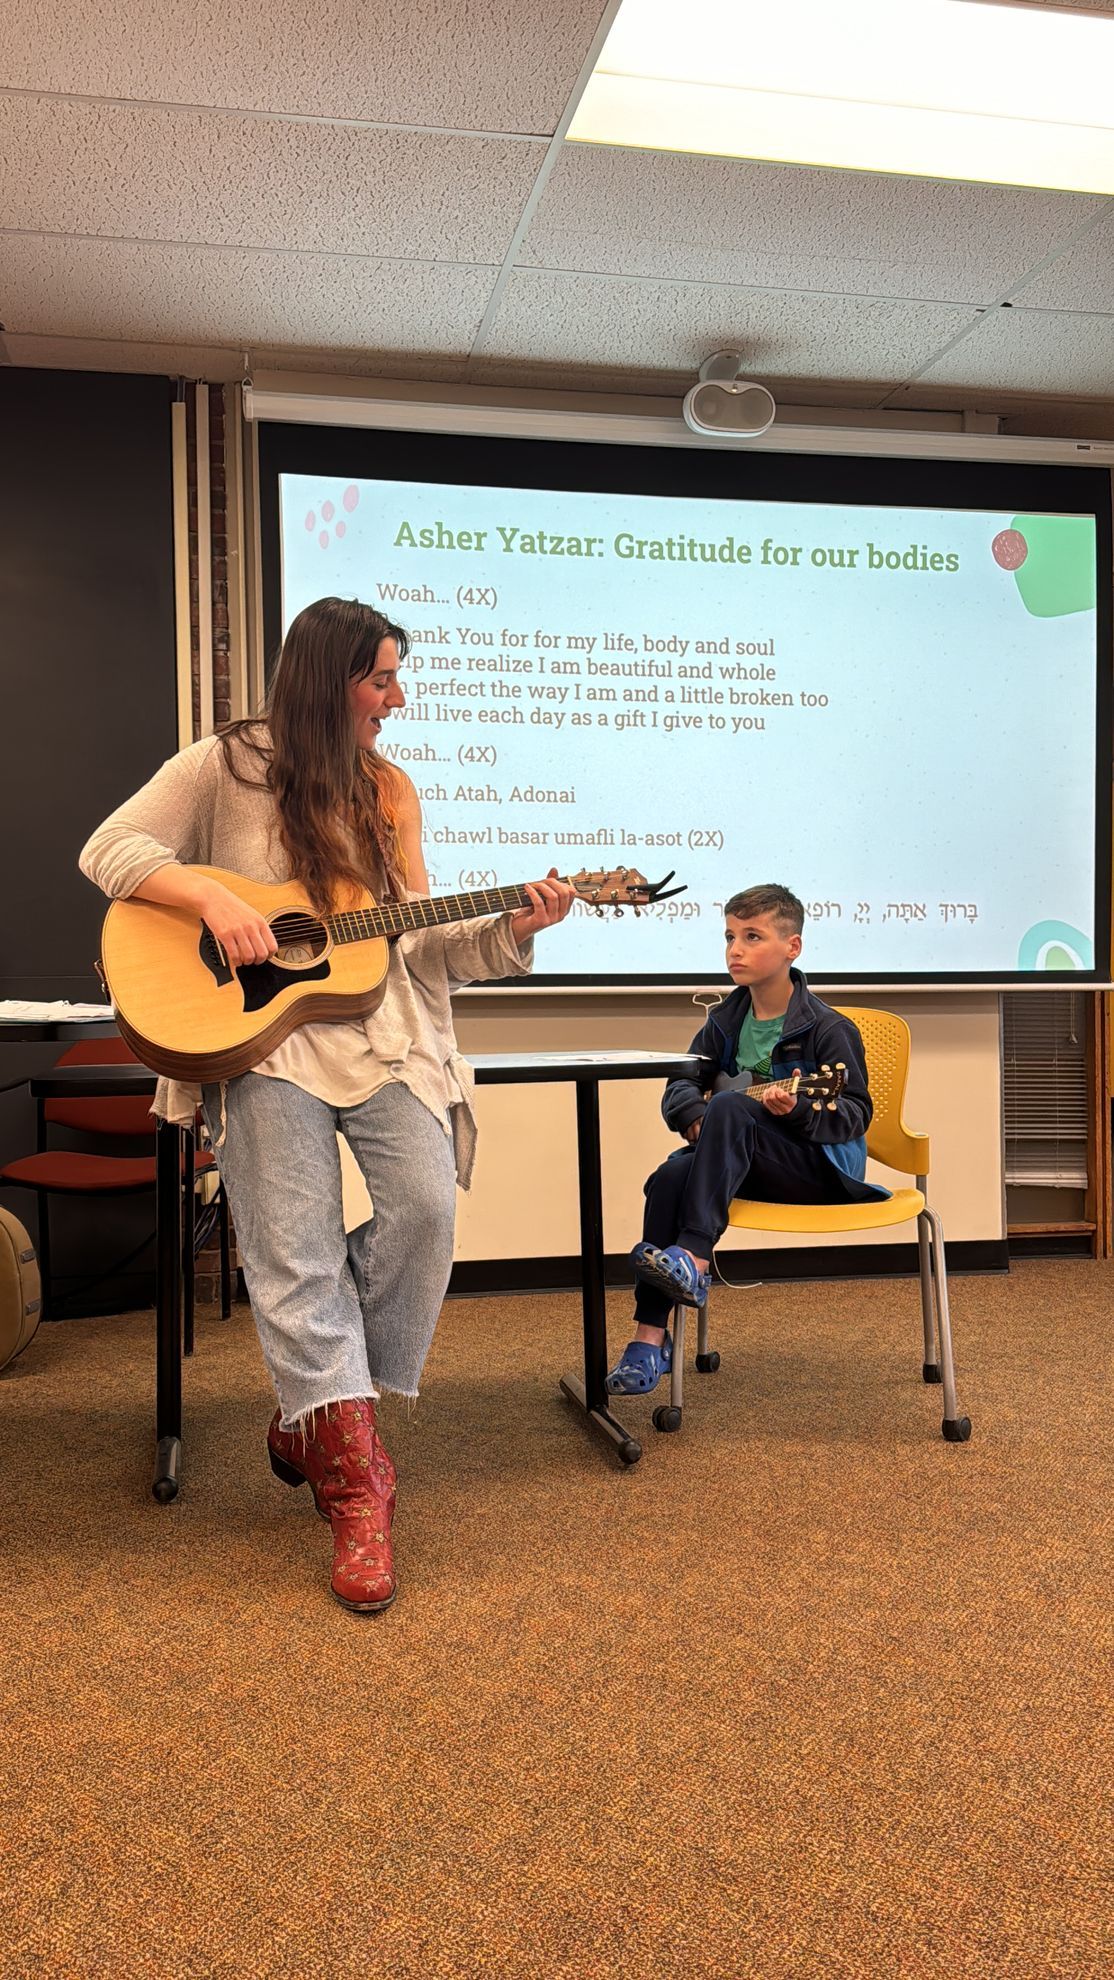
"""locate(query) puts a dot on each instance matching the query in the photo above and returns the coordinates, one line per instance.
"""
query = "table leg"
(590, 1394)
(168, 1310)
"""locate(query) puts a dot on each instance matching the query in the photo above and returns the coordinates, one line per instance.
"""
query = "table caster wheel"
(707, 1363)
(956, 1429)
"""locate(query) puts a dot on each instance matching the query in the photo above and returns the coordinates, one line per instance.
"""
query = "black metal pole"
(168, 1310)
(591, 1394)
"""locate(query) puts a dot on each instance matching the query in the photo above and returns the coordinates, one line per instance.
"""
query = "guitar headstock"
(622, 887)
(824, 1086)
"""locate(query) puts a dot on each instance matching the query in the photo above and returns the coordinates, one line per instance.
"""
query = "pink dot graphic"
(1009, 549)
(311, 520)
(350, 497)
(327, 512)
(340, 529)
(323, 539)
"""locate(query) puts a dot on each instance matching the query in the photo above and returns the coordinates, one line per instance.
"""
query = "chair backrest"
(127, 1114)
(98, 1052)
(886, 1043)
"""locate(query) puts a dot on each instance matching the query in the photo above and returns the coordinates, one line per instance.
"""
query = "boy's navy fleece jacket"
(813, 1035)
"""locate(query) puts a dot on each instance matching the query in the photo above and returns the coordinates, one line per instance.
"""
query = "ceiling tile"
(1027, 350)
(190, 295)
(786, 226)
(1083, 278)
(674, 326)
(494, 65)
(328, 187)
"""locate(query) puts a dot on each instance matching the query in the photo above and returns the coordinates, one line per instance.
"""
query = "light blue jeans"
(338, 1316)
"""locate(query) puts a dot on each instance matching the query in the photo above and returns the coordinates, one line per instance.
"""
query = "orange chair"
(50, 1172)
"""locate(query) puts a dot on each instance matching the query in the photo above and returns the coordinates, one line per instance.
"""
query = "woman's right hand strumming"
(241, 930)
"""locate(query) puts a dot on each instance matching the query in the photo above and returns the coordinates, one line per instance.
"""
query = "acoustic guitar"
(186, 1011)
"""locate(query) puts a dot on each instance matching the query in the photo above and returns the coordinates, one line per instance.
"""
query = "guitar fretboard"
(768, 1086)
(399, 917)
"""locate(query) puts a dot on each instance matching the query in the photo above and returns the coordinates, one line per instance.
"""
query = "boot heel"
(285, 1471)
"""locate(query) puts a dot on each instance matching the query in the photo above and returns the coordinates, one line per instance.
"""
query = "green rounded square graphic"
(1058, 573)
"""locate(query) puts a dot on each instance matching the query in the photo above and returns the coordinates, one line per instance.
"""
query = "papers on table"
(29, 1010)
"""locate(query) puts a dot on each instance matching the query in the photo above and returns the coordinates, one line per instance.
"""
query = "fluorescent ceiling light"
(941, 89)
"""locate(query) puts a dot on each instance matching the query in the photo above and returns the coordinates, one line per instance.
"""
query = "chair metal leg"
(677, 1376)
(930, 1367)
(667, 1416)
(956, 1429)
(189, 1228)
(706, 1361)
(225, 1255)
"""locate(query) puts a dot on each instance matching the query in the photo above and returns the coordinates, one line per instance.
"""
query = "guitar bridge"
(213, 956)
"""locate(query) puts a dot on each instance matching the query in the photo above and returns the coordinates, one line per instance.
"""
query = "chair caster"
(706, 1364)
(630, 1452)
(931, 1371)
(956, 1429)
(665, 1417)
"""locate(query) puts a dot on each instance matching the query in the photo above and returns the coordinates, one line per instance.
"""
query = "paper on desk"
(621, 1057)
(29, 1010)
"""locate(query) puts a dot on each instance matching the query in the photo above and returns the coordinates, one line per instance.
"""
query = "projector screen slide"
(890, 710)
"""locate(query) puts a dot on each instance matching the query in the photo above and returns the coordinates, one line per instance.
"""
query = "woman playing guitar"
(303, 794)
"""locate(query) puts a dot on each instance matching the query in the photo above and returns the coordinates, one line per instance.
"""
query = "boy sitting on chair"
(775, 1146)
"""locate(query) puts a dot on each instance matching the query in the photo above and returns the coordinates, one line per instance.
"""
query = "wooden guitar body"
(186, 1013)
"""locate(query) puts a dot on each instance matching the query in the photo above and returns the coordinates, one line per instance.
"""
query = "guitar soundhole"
(300, 938)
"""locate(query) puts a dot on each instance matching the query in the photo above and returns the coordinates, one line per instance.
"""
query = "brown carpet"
(806, 1692)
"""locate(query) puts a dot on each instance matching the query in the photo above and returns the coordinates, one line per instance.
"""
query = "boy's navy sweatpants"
(743, 1151)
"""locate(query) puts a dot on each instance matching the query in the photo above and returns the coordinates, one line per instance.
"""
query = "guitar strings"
(299, 927)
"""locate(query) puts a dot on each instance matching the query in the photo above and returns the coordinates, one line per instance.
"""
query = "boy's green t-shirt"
(757, 1040)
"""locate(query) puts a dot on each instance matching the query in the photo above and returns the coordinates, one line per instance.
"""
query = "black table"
(51, 1031)
(586, 1071)
(47, 1031)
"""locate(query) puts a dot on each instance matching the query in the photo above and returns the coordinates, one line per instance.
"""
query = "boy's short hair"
(785, 908)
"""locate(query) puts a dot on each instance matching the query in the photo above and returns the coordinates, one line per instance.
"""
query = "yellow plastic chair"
(886, 1042)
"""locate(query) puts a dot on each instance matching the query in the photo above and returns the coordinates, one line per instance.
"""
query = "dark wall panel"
(87, 659)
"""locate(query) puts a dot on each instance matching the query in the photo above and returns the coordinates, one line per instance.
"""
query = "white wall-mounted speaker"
(725, 404)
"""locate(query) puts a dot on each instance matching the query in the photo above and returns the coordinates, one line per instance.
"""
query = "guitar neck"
(770, 1086)
(400, 917)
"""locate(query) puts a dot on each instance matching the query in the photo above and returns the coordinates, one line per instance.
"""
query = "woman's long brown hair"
(338, 804)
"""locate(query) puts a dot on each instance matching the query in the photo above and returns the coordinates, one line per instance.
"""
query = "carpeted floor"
(806, 1692)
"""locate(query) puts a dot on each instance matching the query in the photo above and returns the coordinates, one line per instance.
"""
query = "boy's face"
(759, 948)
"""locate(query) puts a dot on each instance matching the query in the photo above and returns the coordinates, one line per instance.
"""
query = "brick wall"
(207, 1283)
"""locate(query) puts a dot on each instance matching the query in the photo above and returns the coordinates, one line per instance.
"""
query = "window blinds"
(1045, 1081)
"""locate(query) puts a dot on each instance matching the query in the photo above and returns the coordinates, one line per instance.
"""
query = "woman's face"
(374, 697)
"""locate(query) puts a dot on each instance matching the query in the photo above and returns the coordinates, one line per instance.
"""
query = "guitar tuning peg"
(832, 1107)
(619, 910)
(825, 1069)
(840, 1066)
(637, 909)
(598, 910)
(816, 1107)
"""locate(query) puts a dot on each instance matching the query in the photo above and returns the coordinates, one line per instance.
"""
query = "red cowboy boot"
(286, 1448)
(348, 1471)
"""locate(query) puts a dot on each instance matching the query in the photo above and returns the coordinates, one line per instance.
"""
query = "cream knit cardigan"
(195, 812)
